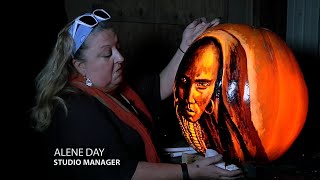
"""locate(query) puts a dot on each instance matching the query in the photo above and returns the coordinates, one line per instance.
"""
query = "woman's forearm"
(168, 75)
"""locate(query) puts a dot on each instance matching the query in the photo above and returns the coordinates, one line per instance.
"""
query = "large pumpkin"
(258, 97)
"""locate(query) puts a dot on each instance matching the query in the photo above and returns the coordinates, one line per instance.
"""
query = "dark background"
(34, 34)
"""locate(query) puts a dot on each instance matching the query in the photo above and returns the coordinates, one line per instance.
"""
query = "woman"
(83, 103)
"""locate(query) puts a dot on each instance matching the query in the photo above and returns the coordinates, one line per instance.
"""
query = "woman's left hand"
(194, 29)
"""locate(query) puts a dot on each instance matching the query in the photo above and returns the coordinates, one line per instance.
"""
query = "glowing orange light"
(271, 89)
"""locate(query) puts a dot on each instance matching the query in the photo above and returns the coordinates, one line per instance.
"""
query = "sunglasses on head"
(83, 25)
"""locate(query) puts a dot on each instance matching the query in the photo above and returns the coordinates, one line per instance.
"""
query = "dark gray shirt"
(91, 125)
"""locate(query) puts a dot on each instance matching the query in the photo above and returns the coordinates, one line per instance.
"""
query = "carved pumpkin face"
(239, 90)
(196, 84)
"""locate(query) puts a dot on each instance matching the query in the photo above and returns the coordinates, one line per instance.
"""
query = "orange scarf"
(126, 116)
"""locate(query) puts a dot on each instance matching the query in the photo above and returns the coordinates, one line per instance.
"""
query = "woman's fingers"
(193, 24)
(214, 22)
(203, 19)
(210, 160)
(232, 173)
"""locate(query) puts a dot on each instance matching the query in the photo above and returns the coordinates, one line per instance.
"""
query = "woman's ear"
(80, 66)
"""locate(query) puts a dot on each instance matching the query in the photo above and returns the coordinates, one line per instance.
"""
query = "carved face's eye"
(183, 80)
(203, 84)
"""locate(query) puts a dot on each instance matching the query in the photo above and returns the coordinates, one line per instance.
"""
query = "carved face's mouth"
(190, 112)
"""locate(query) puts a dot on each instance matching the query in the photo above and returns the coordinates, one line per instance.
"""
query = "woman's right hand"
(206, 169)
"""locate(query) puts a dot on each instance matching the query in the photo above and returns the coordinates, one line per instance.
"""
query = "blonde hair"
(52, 80)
